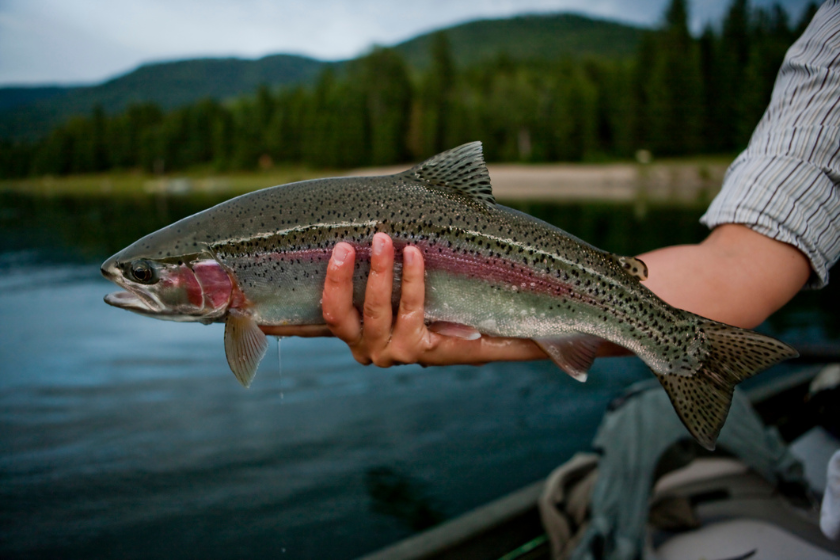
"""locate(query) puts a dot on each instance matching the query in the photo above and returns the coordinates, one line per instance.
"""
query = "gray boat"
(651, 492)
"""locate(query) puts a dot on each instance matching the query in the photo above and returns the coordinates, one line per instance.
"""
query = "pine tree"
(99, 160)
(807, 15)
(770, 37)
(731, 63)
(436, 98)
(710, 131)
(675, 94)
(582, 115)
(384, 77)
(644, 63)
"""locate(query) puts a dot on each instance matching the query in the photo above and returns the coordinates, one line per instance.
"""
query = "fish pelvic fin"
(245, 345)
(702, 399)
(460, 170)
(573, 354)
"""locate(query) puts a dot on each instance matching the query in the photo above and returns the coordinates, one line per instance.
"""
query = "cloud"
(89, 40)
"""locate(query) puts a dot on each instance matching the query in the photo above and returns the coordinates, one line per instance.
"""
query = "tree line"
(676, 95)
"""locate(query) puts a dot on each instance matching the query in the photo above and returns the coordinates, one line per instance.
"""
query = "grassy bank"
(681, 181)
(130, 183)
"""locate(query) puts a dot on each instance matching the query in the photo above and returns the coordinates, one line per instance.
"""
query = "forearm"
(785, 184)
(735, 276)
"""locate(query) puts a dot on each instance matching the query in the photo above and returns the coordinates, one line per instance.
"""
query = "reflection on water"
(122, 436)
(403, 497)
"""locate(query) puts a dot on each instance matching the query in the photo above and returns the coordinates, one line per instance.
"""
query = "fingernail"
(408, 256)
(378, 245)
(340, 254)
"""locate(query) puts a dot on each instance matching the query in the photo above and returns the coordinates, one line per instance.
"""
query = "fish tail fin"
(702, 399)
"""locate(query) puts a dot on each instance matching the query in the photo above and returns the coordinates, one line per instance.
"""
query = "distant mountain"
(11, 97)
(546, 37)
(31, 112)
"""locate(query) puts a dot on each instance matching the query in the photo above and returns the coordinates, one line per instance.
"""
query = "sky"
(89, 41)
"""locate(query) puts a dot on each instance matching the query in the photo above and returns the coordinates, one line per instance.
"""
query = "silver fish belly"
(492, 268)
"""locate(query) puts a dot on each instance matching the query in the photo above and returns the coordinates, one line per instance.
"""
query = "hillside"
(11, 97)
(527, 37)
(31, 112)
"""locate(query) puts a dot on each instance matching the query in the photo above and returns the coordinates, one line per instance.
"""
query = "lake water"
(125, 437)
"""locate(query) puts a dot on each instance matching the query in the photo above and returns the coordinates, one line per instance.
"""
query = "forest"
(676, 95)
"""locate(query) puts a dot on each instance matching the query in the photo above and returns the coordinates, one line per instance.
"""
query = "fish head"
(169, 286)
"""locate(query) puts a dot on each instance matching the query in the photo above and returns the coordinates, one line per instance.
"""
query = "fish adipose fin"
(245, 345)
(460, 170)
(633, 266)
(702, 399)
(573, 354)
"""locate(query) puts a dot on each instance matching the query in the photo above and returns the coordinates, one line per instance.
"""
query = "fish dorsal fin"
(460, 170)
(633, 266)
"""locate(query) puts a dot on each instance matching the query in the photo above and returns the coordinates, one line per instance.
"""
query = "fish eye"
(143, 272)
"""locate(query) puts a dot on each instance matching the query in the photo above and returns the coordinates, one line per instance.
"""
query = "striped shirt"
(786, 184)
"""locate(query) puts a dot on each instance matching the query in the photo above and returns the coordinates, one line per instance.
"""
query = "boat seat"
(738, 538)
(722, 491)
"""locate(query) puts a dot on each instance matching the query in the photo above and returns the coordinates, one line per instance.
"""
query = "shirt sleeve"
(786, 184)
(830, 513)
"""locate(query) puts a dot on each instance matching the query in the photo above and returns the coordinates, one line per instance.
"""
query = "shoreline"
(678, 181)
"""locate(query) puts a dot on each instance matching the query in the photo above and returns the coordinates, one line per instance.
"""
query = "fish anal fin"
(245, 345)
(573, 354)
(702, 399)
(460, 170)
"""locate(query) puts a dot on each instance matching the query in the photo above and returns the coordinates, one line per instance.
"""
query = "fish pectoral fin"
(573, 354)
(457, 330)
(245, 345)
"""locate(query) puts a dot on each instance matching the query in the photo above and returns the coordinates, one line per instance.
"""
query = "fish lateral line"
(481, 267)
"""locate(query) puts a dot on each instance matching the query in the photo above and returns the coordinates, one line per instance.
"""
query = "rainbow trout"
(261, 259)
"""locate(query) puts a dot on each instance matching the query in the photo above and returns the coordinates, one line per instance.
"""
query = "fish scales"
(500, 250)
(489, 267)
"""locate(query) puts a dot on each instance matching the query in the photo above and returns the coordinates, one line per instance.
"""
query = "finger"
(305, 331)
(412, 293)
(446, 350)
(377, 315)
(337, 301)
(410, 339)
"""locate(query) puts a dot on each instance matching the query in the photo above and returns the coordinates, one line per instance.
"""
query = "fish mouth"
(131, 302)
(136, 304)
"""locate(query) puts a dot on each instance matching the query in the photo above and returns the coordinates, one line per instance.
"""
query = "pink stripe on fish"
(492, 269)
(437, 257)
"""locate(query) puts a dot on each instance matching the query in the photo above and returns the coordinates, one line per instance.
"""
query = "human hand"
(381, 337)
